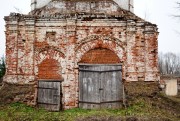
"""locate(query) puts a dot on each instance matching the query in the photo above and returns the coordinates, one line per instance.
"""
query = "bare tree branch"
(169, 64)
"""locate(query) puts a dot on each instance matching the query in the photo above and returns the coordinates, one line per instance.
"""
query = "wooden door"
(100, 86)
(49, 95)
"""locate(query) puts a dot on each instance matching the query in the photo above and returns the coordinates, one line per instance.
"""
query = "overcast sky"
(156, 11)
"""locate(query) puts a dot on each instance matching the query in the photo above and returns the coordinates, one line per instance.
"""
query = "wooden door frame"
(89, 64)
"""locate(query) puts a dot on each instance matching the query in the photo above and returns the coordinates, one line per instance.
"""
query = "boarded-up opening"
(100, 56)
(100, 86)
(49, 69)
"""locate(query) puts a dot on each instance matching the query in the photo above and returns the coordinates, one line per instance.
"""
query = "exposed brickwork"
(50, 46)
(100, 56)
(49, 69)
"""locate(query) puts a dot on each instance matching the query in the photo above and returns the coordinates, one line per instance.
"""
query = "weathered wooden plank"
(56, 95)
(81, 75)
(115, 91)
(84, 90)
(111, 90)
(101, 87)
(49, 95)
(95, 89)
(89, 88)
(80, 89)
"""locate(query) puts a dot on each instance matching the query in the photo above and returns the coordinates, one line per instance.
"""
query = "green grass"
(140, 109)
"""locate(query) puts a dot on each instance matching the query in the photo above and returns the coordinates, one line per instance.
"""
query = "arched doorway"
(100, 80)
(49, 84)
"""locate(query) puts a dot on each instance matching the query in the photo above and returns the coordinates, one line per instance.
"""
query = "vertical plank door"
(89, 96)
(100, 86)
(49, 95)
(111, 87)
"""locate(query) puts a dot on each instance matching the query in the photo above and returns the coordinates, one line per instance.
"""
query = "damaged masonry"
(79, 53)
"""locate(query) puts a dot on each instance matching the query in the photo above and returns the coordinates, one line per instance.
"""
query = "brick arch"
(100, 56)
(100, 37)
(111, 45)
(49, 69)
(48, 53)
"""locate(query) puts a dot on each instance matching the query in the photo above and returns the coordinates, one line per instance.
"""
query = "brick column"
(131, 54)
(70, 84)
(140, 50)
(151, 56)
(30, 32)
(12, 24)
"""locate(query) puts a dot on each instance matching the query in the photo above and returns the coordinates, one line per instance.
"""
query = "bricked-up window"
(100, 56)
(49, 69)
(51, 36)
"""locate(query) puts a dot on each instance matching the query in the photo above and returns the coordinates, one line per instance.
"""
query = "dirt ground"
(160, 107)
(149, 105)
(123, 119)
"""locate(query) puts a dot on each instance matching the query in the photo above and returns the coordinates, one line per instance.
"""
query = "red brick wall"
(49, 69)
(100, 56)
(131, 41)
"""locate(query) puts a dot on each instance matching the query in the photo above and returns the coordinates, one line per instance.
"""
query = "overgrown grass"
(141, 109)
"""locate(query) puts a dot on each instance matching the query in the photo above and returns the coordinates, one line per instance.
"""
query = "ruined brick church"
(79, 53)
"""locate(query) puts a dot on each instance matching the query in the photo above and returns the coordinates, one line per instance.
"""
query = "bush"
(2, 68)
